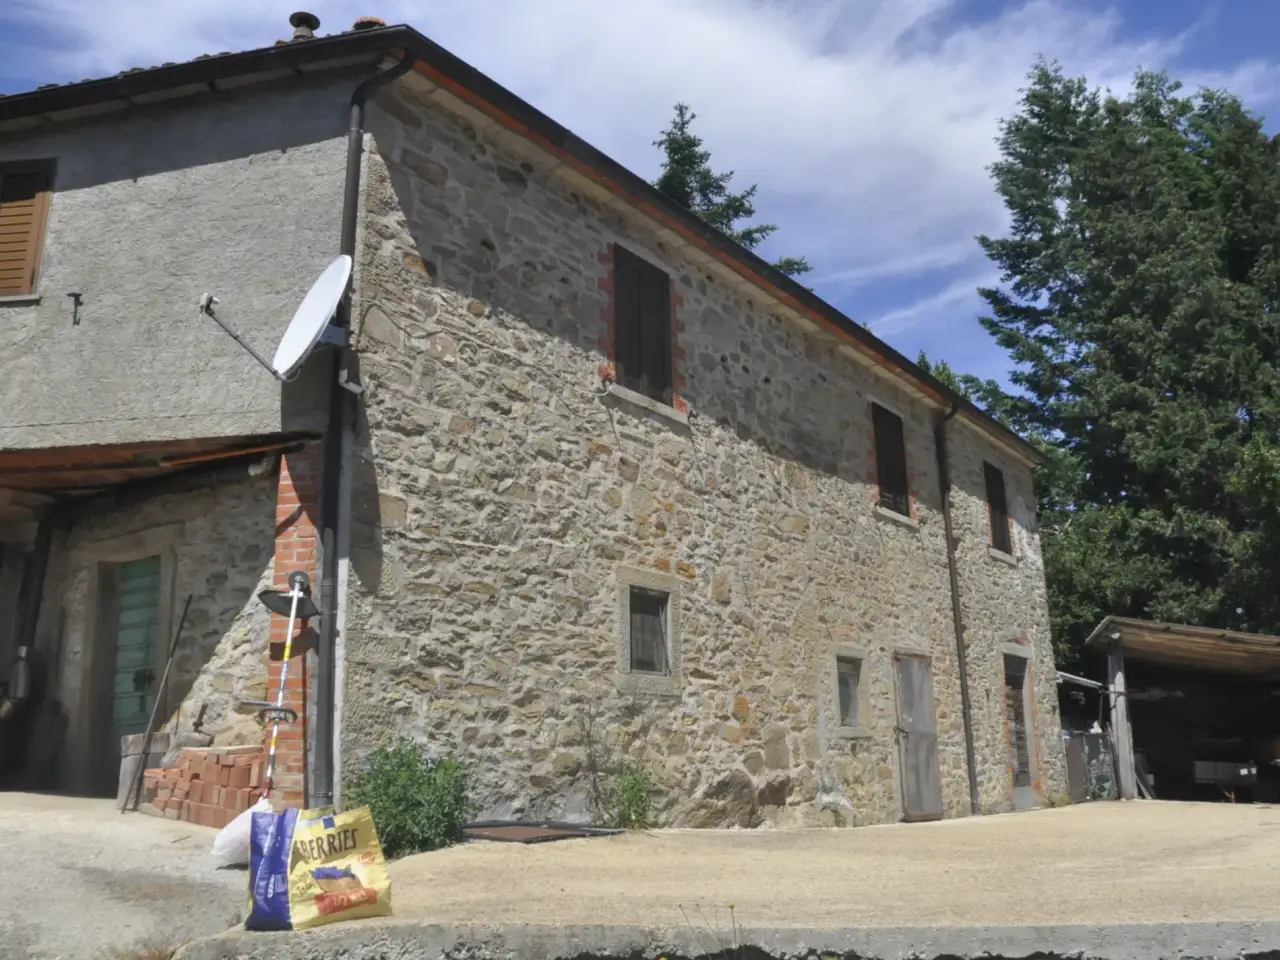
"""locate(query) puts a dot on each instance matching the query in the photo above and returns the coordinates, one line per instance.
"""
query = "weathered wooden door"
(918, 740)
(1020, 733)
(137, 622)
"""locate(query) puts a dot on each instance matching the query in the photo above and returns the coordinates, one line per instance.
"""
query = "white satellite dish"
(311, 321)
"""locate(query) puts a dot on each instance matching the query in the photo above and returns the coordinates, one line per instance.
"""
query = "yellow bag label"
(336, 869)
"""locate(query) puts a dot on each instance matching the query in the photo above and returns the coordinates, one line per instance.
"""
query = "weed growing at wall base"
(419, 803)
(632, 799)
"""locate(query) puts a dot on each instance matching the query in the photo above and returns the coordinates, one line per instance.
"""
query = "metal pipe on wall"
(966, 707)
(332, 506)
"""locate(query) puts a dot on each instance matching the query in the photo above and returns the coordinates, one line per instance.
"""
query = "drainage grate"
(531, 831)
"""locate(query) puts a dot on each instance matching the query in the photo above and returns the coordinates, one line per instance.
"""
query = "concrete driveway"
(1111, 880)
(81, 880)
(1099, 863)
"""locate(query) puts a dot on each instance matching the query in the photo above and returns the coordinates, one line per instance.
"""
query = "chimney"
(304, 25)
(368, 23)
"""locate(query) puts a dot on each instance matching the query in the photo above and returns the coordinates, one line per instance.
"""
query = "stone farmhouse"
(589, 485)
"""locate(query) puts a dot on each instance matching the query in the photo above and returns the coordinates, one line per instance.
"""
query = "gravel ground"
(1098, 864)
(81, 880)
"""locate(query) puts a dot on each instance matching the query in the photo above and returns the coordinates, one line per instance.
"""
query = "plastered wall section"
(215, 540)
(235, 194)
(500, 498)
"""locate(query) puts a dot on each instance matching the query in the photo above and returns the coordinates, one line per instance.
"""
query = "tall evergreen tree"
(687, 178)
(1140, 283)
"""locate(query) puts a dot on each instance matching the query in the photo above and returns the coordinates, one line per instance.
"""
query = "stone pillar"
(297, 510)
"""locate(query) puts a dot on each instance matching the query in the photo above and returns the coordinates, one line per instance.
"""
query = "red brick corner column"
(297, 512)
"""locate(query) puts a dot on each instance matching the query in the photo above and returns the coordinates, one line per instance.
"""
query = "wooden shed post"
(1121, 732)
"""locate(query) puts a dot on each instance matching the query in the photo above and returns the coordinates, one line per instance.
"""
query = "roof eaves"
(206, 69)
(1103, 634)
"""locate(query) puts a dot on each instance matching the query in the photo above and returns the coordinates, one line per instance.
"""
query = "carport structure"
(1195, 711)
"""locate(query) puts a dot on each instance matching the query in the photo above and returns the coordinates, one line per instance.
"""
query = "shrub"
(418, 803)
(631, 799)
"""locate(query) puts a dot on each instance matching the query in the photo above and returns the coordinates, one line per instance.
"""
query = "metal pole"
(957, 618)
(295, 593)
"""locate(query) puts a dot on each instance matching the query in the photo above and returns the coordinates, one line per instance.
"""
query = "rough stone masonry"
(503, 495)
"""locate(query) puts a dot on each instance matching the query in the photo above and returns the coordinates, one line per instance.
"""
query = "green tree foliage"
(687, 178)
(1138, 305)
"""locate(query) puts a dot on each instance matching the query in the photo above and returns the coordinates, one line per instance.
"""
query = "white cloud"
(867, 123)
(939, 305)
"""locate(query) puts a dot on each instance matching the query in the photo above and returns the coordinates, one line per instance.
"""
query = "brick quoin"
(608, 369)
(297, 512)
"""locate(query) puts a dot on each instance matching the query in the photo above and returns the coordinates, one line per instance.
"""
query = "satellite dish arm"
(206, 308)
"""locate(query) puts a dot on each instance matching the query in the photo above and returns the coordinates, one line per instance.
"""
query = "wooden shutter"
(891, 460)
(998, 508)
(655, 336)
(626, 317)
(641, 325)
(24, 204)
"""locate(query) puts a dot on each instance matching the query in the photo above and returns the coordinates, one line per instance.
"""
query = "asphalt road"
(80, 881)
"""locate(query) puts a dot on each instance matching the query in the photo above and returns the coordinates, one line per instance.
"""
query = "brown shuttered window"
(642, 325)
(891, 460)
(998, 508)
(24, 205)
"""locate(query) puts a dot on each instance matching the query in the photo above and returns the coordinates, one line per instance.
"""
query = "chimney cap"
(304, 24)
(368, 23)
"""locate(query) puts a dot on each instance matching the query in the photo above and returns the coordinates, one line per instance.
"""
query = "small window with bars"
(848, 681)
(891, 460)
(650, 633)
(998, 509)
(24, 207)
(642, 325)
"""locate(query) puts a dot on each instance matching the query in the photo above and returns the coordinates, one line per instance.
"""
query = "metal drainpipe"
(340, 400)
(966, 707)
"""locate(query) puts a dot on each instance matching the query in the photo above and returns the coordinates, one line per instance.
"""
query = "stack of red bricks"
(208, 785)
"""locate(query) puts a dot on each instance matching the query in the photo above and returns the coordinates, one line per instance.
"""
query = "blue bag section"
(270, 844)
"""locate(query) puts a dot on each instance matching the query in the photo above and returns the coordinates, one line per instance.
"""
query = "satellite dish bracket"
(335, 336)
(311, 325)
(206, 309)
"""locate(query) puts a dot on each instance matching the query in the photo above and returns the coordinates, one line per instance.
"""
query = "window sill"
(852, 733)
(1003, 557)
(884, 513)
(20, 300)
(649, 684)
(638, 399)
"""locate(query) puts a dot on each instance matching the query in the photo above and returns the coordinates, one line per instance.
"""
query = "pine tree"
(1139, 304)
(687, 178)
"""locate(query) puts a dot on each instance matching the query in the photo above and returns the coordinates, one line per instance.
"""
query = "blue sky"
(867, 124)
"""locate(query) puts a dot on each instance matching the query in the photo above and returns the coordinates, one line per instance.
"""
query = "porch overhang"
(1208, 649)
(31, 481)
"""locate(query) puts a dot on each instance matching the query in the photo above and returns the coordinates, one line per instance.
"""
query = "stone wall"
(1004, 606)
(501, 493)
(216, 535)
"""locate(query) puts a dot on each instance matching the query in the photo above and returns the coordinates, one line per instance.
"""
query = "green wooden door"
(137, 634)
